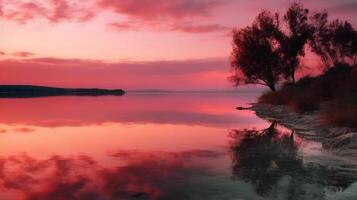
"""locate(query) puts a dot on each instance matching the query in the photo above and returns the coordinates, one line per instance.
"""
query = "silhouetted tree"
(255, 57)
(333, 41)
(293, 43)
(320, 40)
(344, 40)
(354, 49)
(265, 52)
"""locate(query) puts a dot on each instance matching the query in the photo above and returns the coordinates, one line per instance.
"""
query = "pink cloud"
(123, 26)
(180, 27)
(24, 130)
(175, 74)
(53, 11)
(163, 15)
(63, 10)
(161, 9)
(23, 54)
(200, 28)
(194, 74)
(174, 15)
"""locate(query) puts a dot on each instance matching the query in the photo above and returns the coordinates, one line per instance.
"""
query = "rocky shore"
(342, 140)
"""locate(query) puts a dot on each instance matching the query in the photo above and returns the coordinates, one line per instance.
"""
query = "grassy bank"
(334, 93)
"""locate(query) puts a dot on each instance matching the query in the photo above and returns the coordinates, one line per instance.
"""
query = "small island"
(27, 91)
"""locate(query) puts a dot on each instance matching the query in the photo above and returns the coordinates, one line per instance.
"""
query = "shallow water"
(160, 146)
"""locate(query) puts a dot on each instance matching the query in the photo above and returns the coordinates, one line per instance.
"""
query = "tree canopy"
(255, 59)
(335, 42)
(293, 42)
(270, 49)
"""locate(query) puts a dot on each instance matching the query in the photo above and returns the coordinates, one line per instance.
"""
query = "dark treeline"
(26, 91)
(269, 51)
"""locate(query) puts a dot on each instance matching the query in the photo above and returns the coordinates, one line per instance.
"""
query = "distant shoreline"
(28, 91)
(223, 91)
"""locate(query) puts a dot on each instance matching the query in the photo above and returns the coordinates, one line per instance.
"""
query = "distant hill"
(23, 91)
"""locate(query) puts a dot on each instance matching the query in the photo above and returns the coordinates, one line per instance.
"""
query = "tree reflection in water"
(270, 161)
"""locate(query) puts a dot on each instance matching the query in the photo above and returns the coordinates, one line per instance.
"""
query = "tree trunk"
(293, 77)
(272, 87)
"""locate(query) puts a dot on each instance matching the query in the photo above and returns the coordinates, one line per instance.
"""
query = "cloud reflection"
(145, 175)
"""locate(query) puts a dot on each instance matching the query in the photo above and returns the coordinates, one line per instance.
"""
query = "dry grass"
(338, 85)
(300, 97)
(340, 114)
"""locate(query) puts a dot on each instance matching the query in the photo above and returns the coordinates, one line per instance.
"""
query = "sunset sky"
(130, 44)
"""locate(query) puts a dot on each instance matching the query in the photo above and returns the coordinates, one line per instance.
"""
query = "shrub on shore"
(299, 97)
(340, 114)
(337, 85)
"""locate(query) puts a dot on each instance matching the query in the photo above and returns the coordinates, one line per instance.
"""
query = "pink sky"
(130, 44)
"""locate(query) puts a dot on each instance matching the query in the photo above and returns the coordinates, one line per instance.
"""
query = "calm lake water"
(160, 146)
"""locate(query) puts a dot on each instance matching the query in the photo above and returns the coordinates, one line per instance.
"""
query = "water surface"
(160, 146)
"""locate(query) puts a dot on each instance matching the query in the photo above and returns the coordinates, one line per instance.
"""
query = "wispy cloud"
(200, 28)
(163, 15)
(53, 11)
(195, 73)
(179, 27)
(146, 10)
(23, 54)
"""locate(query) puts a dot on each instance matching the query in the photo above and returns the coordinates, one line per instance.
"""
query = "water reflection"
(140, 175)
(192, 109)
(270, 160)
(158, 147)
